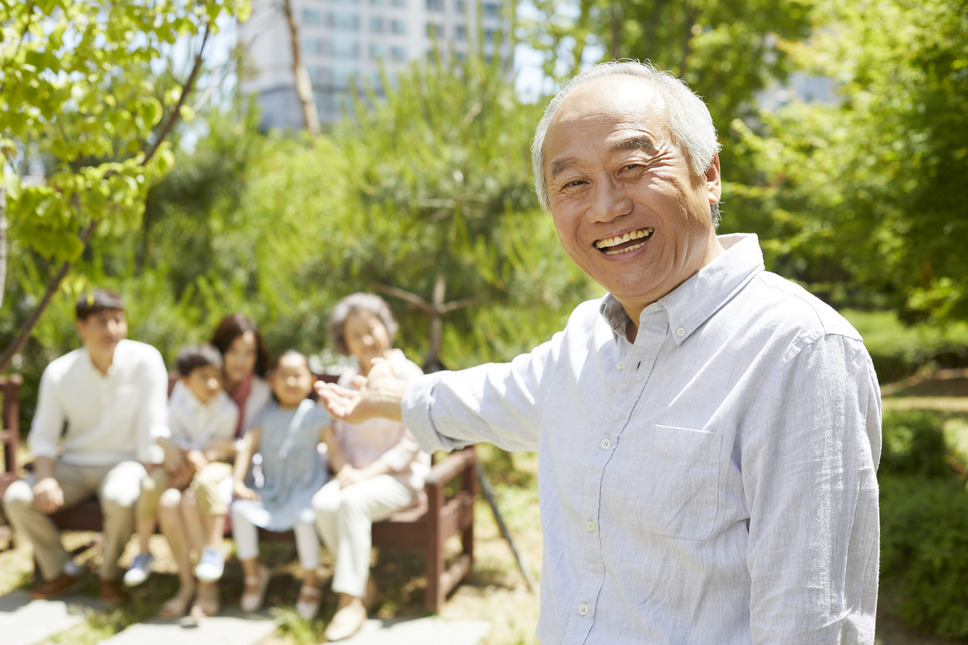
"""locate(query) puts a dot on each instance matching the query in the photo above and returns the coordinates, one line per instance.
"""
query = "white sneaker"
(139, 571)
(210, 566)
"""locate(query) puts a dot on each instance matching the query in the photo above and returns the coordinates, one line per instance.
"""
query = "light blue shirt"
(712, 482)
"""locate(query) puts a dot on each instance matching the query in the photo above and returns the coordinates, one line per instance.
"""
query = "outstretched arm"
(380, 396)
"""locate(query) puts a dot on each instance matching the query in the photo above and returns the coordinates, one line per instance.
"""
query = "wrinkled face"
(240, 358)
(628, 210)
(102, 331)
(204, 382)
(366, 338)
(291, 381)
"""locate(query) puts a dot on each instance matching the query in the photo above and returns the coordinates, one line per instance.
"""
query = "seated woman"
(378, 466)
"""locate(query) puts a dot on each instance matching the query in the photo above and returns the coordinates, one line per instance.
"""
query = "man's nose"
(610, 199)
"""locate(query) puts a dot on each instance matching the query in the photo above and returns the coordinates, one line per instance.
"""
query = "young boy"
(200, 413)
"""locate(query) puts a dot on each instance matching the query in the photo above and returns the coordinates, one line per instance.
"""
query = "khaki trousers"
(116, 488)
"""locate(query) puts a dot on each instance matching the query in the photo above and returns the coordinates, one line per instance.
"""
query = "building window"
(318, 75)
(343, 77)
(378, 3)
(435, 32)
(398, 54)
(376, 25)
(312, 17)
(313, 46)
(435, 5)
(398, 26)
(489, 35)
(398, 3)
(462, 7)
(344, 21)
(344, 48)
(378, 51)
(460, 33)
(491, 9)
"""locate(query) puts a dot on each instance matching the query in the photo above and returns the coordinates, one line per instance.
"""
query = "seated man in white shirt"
(97, 408)
(707, 433)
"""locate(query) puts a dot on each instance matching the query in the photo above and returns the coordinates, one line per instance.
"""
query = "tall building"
(343, 40)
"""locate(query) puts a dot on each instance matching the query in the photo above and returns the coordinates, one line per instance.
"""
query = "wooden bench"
(9, 441)
(447, 512)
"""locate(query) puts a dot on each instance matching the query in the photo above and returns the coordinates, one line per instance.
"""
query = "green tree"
(439, 211)
(868, 191)
(726, 50)
(81, 105)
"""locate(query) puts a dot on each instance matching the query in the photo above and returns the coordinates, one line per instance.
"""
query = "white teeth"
(607, 242)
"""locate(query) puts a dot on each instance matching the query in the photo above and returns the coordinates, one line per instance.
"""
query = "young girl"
(378, 465)
(286, 433)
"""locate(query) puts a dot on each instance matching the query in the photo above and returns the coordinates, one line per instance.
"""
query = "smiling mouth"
(624, 243)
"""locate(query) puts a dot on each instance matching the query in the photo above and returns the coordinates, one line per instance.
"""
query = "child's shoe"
(307, 605)
(139, 571)
(210, 566)
(255, 590)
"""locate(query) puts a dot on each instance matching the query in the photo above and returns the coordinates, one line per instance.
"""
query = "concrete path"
(24, 621)
(228, 628)
(421, 631)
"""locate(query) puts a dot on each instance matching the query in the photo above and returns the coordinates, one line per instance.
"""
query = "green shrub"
(914, 444)
(899, 350)
(924, 551)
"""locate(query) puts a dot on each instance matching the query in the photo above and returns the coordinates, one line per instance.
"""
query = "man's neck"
(102, 362)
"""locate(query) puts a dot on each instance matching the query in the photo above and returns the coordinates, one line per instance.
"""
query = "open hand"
(378, 396)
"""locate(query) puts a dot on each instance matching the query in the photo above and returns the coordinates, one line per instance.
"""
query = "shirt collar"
(694, 301)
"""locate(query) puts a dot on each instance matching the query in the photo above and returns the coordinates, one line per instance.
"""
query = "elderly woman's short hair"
(354, 303)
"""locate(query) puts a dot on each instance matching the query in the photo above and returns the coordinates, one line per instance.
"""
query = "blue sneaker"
(210, 566)
(139, 571)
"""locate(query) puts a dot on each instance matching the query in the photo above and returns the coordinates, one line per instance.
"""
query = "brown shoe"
(55, 588)
(112, 591)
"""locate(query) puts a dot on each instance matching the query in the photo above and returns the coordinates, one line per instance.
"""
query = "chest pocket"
(677, 480)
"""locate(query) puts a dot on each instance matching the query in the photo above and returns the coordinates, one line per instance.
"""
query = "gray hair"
(351, 304)
(689, 120)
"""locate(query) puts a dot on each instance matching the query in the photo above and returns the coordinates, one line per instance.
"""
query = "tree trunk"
(304, 87)
(3, 242)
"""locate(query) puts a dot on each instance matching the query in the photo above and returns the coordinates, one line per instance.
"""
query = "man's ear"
(713, 182)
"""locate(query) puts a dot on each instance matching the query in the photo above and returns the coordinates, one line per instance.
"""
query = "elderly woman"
(378, 466)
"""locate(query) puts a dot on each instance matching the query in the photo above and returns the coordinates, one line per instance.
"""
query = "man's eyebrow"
(559, 165)
(634, 143)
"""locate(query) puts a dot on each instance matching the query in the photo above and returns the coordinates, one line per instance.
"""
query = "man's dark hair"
(193, 357)
(95, 301)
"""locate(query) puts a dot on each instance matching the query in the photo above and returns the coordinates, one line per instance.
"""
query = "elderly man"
(96, 409)
(708, 432)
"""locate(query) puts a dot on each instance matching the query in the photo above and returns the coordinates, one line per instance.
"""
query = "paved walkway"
(26, 622)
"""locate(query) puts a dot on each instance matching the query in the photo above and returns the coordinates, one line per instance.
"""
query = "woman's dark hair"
(354, 303)
(235, 325)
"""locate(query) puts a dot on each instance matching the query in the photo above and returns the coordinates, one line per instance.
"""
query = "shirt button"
(590, 526)
(620, 366)
(680, 332)
(606, 444)
(583, 610)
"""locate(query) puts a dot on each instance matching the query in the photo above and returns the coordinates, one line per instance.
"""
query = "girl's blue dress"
(291, 465)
